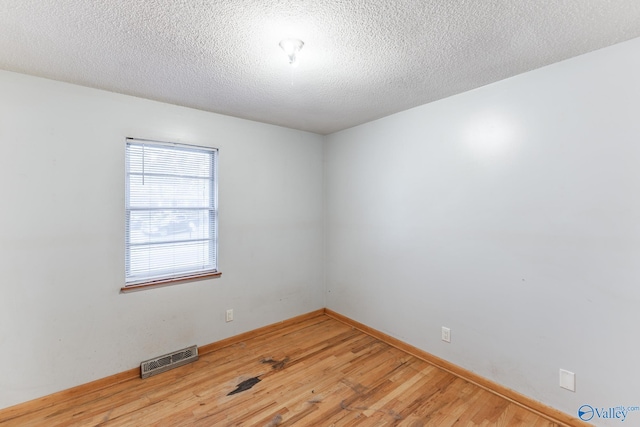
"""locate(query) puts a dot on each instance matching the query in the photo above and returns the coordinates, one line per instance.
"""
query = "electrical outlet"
(229, 317)
(446, 334)
(567, 380)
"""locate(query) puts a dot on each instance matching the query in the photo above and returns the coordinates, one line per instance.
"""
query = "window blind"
(171, 211)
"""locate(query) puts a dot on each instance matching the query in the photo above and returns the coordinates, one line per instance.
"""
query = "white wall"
(510, 214)
(63, 321)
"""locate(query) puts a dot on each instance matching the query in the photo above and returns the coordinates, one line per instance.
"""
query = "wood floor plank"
(316, 372)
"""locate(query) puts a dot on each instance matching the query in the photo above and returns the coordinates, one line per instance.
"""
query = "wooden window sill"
(168, 282)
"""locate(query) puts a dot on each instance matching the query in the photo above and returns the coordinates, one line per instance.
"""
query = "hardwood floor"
(318, 372)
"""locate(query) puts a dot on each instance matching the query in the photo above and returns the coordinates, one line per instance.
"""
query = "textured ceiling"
(362, 59)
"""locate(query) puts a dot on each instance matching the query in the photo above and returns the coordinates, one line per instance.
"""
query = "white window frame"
(207, 263)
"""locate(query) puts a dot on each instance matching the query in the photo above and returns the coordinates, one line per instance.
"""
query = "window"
(171, 212)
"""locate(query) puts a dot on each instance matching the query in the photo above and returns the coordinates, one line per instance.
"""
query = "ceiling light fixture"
(291, 47)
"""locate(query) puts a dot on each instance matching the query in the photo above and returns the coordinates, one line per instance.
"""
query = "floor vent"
(161, 364)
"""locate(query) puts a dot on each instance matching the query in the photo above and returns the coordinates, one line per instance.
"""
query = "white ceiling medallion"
(291, 47)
